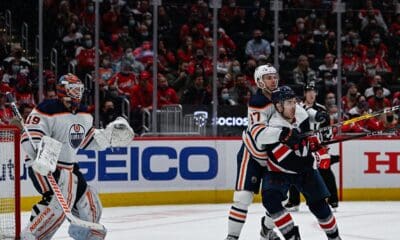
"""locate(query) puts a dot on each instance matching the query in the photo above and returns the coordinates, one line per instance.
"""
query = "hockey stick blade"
(53, 184)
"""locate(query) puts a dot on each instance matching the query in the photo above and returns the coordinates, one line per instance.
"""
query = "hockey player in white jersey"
(66, 120)
(249, 171)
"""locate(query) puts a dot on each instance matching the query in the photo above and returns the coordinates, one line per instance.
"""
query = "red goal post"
(10, 194)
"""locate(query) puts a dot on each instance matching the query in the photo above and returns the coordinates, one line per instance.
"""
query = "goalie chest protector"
(51, 118)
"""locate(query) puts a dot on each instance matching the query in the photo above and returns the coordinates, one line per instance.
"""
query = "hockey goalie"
(56, 129)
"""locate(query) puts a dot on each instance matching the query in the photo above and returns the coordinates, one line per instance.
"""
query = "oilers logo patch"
(76, 135)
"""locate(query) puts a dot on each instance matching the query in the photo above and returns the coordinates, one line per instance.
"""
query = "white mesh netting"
(7, 184)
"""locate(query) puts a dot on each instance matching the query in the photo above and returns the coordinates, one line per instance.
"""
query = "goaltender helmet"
(70, 88)
(282, 93)
(262, 70)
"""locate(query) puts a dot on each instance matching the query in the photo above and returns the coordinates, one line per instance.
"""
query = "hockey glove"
(314, 143)
(322, 116)
(322, 158)
(121, 134)
(290, 137)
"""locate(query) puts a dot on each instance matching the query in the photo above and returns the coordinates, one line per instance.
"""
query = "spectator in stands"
(284, 47)
(223, 61)
(201, 61)
(108, 113)
(307, 47)
(360, 108)
(377, 80)
(144, 53)
(239, 90)
(249, 74)
(4, 46)
(186, 51)
(110, 19)
(257, 46)
(378, 101)
(225, 98)
(125, 40)
(166, 94)
(373, 64)
(197, 94)
(64, 17)
(87, 17)
(298, 32)
(105, 69)
(351, 97)
(5, 111)
(396, 98)
(123, 81)
(182, 80)
(16, 64)
(141, 100)
(351, 62)
(330, 43)
(303, 74)
(25, 109)
(166, 58)
(51, 93)
(329, 65)
(165, 25)
(372, 21)
(23, 90)
(85, 55)
(395, 26)
(390, 120)
(261, 21)
(136, 66)
(224, 41)
(71, 41)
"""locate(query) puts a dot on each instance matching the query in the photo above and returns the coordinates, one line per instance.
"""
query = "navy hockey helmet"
(282, 93)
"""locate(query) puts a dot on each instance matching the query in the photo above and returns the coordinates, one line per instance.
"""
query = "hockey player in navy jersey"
(249, 171)
(291, 160)
(318, 117)
(66, 120)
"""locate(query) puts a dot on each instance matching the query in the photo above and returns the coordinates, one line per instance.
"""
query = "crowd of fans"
(307, 44)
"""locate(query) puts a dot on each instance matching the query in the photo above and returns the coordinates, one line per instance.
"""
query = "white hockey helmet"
(262, 70)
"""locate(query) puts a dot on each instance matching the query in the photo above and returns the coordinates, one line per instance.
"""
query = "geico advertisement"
(156, 166)
(371, 164)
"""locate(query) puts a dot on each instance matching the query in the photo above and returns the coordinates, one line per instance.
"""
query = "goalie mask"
(266, 77)
(70, 91)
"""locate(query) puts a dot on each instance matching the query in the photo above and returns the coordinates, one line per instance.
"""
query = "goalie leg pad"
(87, 208)
(47, 215)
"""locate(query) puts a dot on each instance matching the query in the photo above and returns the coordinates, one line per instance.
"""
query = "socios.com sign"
(155, 163)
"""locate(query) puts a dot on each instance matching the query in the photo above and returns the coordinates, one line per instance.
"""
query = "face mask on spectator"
(130, 56)
(376, 40)
(236, 69)
(363, 105)
(148, 22)
(132, 22)
(225, 96)
(355, 41)
(15, 68)
(145, 34)
(222, 55)
(88, 43)
(258, 38)
(199, 57)
(300, 26)
(90, 9)
(232, 4)
(389, 119)
(330, 101)
(110, 111)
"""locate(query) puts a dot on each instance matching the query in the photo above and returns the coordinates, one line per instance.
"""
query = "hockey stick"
(53, 184)
(353, 120)
(366, 134)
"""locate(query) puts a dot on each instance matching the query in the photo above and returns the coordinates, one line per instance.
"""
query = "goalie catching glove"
(118, 133)
(47, 156)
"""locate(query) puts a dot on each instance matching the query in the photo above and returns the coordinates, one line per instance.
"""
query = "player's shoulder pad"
(301, 113)
(51, 106)
(320, 107)
(259, 100)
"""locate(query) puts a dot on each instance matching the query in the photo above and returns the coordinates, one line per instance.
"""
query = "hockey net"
(9, 183)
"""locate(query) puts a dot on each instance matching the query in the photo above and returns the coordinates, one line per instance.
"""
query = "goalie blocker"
(70, 128)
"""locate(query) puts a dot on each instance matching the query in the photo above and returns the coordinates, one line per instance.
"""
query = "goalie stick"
(53, 183)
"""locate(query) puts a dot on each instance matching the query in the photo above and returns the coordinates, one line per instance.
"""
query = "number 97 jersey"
(260, 109)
